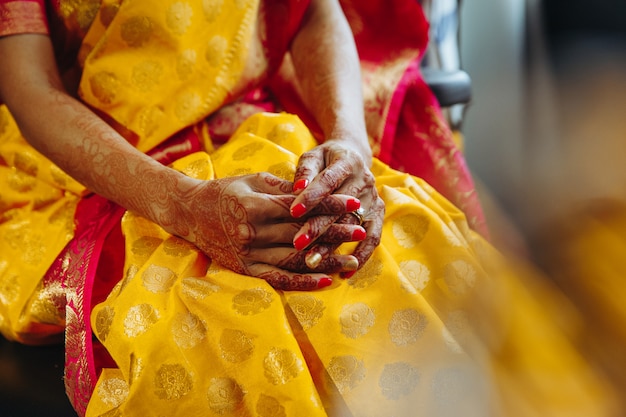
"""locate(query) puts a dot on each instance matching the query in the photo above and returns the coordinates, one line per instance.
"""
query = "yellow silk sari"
(404, 336)
(432, 324)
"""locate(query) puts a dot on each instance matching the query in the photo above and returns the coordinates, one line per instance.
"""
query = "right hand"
(244, 224)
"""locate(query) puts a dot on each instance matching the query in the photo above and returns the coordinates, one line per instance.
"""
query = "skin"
(251, 229)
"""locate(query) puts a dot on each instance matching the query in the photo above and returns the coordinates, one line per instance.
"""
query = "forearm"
(83, 145)
(327, 65)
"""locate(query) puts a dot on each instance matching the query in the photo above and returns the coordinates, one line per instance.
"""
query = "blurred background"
(545, 134)
(545, 130)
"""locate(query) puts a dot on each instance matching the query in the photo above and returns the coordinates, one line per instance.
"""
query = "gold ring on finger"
(360, 215)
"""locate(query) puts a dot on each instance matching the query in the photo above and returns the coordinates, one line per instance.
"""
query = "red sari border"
(23, 17)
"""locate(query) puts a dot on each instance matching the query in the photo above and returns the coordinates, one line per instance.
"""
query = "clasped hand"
(287, 232)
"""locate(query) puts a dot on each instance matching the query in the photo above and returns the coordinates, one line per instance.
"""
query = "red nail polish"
(302, 242)
(324, 282)
(353, 204)
(347, 274)
(300, 185)
(298, 210)
(358, 235)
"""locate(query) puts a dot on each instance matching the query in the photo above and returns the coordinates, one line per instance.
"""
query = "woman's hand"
(336, 167)
(244, 224)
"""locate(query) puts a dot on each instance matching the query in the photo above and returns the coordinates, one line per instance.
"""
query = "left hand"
(336, 167)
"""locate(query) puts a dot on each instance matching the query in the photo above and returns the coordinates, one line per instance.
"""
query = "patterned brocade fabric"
(22, 17)
(399, 338)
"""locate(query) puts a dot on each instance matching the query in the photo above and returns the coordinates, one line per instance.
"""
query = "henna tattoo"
(283, 281)
(235, 223)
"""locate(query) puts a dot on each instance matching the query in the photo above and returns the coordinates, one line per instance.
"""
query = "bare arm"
(327, 65)
(83, 145)
(328, 70)
(77, 140)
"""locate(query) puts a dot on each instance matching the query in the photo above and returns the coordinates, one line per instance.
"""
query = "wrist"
(355, 138)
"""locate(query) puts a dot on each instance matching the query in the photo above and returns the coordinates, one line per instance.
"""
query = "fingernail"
(358, 234)
(353, 204)
(347, 274)
(298, 210)
(300, 185)
(351, 265)
(313, 260)
(324, 282)
(302, 241)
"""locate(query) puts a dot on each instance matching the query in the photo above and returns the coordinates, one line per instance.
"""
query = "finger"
(322, 259)
(374, 227)
(275, 234)
(316, 226)
(339, 233)
(332, 204)
(309, 165)
(295, 261)
(321, 186)
(311, 230)
(281, 279)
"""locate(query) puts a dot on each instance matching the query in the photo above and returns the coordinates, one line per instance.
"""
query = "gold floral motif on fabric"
(187, 106)
(104, 86)
(108, 12)
(252, 301)
(172, 382)
(216, 50)
(269, 407)
(459, 276)
(146, 75)
(367, 274)
(281, 366)
(235, 345)
(414, 275)
(307, 309)
(178, 17)
(104, 319)
(21, 182)
(198, 288)
(9, 287)
(136, 30)
(188, 330)
(48, 304)
(158, 278)
(224, 395)
(185, 64)
(20, 235)
(139, 319)
(398, 380)
(346, 372)
(456, 331)
(247, 151)
(198, 169)
(25, 161)
(407, 326)
(410, 230)
(59, 177)
(282, 134)
(356, 320)
(113, 391)
(212, 9)
(177, 247)
(282, 170)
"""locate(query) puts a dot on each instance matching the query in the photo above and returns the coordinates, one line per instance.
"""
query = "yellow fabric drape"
(157, 69)
(37, 204)
(398, 338)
